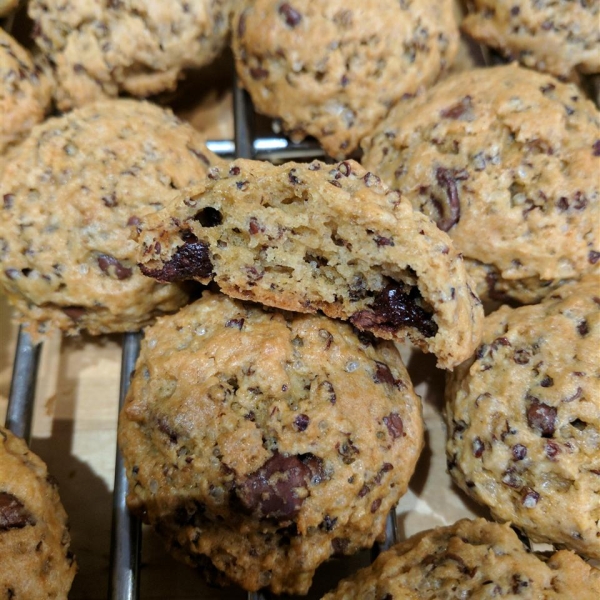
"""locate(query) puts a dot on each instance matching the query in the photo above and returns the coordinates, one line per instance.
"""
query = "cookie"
(266, 441)
(505, 160)
(470, 559)
(72, 194)
(562, 38)
(308, 237)
(333, 69)
(7, 6)
(25, 92)
(36, 563)
(523, 418)
(140, 47)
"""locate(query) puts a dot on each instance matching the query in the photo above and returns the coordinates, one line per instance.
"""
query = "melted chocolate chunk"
(271, 491)
(393, 309)
(13, 514)
(447, 179)
(301, 422)
(74, 312)
(383, 374)
(541, 417)
(111, 266)
(190, 261)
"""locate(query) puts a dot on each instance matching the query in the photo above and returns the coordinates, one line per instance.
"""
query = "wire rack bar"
(126, 529)
(22, 386)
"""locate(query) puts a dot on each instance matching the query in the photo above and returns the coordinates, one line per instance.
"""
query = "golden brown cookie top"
(559, 37)
(523, 417)
(310, 237)
(277, 424)
(333, 69)
(34, 538)
(25, 92)
(470, 559)
(505, 160)
(73, 192)
(100, 49)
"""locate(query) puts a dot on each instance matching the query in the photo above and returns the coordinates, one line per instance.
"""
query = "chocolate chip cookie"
(260, 442)
(35, 560)
(560, 37)
(25, 92)
(140, 47)
(333, 69)
(310, 237)
(470, 559)
(71, 195)
(505, 160)
(523, 418)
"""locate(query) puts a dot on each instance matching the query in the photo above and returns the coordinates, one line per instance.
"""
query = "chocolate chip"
(133, 221)
(394, 424)
(541, 417)
(327, 524)
(511, 478)
(393, 309)
(191, 260)
(371, 179)
(291, 16)
(456, 111)
(301, 422)
(164, 427)
(200, 155)
(515, 10)
(364, 490)
(8, 200)
(583, 328)
(593, 257)
(552, 449)
(521, 356)
(519, 452)
(13, 514)
(478, 447)
(578, 393)
(293, 178)
(111, 266)
(329, 390)
(234, 171)
(447, 179)
(237, 323)
(383, 374)
(348, 451)
(340, 545)
(110, 201)
(596, 148)
(529, 497)
(383, 241)
(209, 217)
(271, 491)
(547, 382)
(375, 505)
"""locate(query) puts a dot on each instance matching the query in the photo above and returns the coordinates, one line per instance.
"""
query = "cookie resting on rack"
(560, 37)
(470, 559)
(506, 160)
(101, 49)
(259, 443)
(72, 194)
(523, 418)
(333, 69)
(35, 560)
(310, 237)
(25, 92)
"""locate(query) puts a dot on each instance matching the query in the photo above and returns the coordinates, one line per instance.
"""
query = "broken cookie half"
(309, 237)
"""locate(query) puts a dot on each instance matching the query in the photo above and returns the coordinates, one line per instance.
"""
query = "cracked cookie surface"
(72, 194)
(333, 69)
(25, 92)
(523, 418)
(101, 49)
(470, 559)
(560, 37)
(505, 160)
(263, 441)
(308, 237)
(36, 563)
